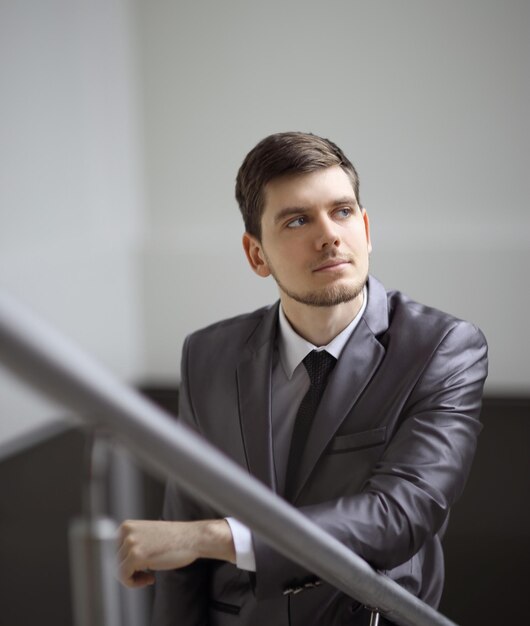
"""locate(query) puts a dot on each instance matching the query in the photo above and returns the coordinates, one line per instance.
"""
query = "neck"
(320, 324)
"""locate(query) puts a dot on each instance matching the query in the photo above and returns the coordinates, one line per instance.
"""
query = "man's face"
(315, 239)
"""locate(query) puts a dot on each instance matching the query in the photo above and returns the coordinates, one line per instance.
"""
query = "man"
(358, 405)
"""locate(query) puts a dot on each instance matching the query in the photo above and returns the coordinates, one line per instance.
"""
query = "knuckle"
(136, 553)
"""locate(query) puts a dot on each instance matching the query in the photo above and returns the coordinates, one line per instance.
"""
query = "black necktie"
(318, 366)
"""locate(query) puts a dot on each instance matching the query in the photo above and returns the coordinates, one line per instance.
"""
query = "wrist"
(216, 541)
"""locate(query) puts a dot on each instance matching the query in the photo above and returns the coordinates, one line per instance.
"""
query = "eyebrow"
(296, 210)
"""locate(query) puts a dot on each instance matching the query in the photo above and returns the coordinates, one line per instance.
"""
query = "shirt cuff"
(242, 537)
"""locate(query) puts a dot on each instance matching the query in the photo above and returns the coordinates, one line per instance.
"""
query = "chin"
(329, 297)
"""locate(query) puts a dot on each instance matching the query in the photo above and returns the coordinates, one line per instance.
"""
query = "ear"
(366, 221)
(255, 256)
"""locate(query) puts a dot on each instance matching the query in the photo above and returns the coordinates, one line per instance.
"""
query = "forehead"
(321, 187)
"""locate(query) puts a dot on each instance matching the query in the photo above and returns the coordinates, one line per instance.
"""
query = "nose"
(328, 233)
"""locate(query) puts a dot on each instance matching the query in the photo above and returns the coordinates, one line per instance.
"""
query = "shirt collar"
(293, 349)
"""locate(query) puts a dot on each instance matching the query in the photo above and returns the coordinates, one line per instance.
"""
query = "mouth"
(331, 265)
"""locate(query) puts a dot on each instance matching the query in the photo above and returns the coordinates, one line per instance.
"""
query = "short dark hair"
(278, 155)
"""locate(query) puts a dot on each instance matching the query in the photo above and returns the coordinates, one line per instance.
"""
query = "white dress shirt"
(290, 383)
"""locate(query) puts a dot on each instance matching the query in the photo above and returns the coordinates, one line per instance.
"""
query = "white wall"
(70, 183)
(429, 99)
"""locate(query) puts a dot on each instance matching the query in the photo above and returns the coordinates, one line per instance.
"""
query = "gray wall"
(123, 124)
(429, 99)
(71, 211)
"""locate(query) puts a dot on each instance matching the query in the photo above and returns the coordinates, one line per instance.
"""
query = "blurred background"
(122, 126)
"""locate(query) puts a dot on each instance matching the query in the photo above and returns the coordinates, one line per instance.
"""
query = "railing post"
(92, 544)
(374, 617)
(92, 566)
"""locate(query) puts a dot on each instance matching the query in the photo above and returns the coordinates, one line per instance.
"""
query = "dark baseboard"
(41, 493)
(487, 544)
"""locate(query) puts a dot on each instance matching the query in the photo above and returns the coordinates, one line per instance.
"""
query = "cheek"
(284, 254)
(357, 241)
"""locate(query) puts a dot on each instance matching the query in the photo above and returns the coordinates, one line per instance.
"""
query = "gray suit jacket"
(389, 452)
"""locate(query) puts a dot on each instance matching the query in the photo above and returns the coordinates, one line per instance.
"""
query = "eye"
(344, 211)
(297, 222)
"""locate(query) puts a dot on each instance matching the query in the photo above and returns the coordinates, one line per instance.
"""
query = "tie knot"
(318, 365)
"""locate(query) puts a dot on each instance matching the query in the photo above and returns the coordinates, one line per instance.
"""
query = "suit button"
(312, 584)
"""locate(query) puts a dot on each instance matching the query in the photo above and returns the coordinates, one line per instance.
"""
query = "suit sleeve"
(406, 499)
(180, 595)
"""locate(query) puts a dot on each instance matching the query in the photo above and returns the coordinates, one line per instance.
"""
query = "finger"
(127, 569)
(135, 578)
(123, 553)
(123, 531)
(143, 578)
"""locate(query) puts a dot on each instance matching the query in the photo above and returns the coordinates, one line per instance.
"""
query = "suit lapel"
(354, 370)
(254, 393)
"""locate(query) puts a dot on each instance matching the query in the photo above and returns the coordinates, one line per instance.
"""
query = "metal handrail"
(51, 363)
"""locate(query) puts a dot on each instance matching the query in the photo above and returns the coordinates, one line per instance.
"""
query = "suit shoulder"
(427, 323)
(231, 330)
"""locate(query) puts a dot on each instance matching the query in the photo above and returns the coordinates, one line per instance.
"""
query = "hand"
(147, 546)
